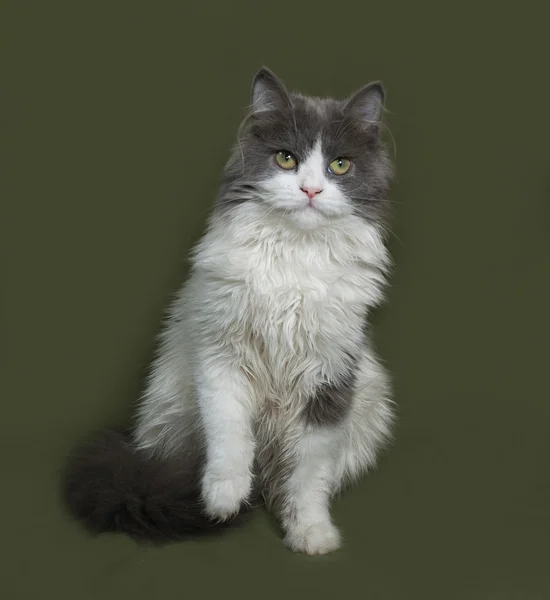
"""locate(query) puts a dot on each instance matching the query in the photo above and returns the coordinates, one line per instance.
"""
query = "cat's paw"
(320, 538)
(224, 496)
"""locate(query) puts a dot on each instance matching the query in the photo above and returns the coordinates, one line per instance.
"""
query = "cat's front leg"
(226, 409)
(305, 503)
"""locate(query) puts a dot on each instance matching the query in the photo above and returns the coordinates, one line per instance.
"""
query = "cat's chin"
(308, 219)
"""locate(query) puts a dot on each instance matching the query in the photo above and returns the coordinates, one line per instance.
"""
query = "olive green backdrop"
(117, 118)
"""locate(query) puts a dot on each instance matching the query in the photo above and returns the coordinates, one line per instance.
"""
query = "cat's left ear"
(367, 104)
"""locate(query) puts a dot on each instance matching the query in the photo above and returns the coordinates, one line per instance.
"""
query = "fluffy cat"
(265, 387)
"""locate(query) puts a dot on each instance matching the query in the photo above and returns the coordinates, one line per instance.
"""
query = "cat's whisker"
(391, 232)
(373, 200)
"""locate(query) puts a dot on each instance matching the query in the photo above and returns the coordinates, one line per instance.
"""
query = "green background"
(117, 118)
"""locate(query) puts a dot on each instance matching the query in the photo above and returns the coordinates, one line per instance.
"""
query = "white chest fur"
(291, 305)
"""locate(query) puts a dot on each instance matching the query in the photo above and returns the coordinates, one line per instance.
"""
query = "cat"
(265, 387)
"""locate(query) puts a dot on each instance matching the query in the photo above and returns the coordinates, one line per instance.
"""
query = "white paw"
(224, 496)
(319, 538)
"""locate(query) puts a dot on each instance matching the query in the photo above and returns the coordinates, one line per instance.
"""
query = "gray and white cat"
(265, 387)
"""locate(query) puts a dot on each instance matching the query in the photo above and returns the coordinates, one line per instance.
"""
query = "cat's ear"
(367, 104)
(268, 92)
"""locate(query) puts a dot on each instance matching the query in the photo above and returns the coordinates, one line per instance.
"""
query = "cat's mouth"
(316, 208)
(310, 206)
(305, 210)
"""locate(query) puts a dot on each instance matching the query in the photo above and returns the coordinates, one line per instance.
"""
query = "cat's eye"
(285, 160)
(340, 166)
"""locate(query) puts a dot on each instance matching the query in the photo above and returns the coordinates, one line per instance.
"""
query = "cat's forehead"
(321, 109)
(315, 117)
(315, 123)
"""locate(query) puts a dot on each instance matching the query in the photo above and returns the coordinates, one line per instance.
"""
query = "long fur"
(265, 369)
(112, 486)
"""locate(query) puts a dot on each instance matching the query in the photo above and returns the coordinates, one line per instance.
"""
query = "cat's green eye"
(285, 160)
(340, 166)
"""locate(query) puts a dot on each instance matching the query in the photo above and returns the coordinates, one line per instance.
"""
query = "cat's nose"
(311, 192)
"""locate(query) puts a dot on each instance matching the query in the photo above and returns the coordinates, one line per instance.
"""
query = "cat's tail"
(110, 486)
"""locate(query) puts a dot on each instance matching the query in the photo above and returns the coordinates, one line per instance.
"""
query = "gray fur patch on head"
(279, 120)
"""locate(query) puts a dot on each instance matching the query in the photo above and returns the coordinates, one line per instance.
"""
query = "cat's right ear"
(268, 92)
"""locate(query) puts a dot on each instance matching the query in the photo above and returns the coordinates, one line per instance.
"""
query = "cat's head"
(309, 160)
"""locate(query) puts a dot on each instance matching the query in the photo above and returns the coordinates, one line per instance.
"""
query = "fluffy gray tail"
(110, 486)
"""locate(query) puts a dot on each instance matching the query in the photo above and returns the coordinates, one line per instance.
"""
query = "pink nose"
(311, 192)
